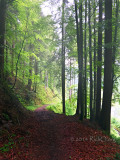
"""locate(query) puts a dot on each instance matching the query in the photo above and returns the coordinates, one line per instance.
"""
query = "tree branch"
(116, 78)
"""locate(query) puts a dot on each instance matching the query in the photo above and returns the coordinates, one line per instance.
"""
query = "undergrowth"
(46, 95)
(43, 96)
(32, 107)
(115, 123)
(70, 106)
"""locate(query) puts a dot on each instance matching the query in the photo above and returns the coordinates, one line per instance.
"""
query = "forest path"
(50, 136)
(51, 127)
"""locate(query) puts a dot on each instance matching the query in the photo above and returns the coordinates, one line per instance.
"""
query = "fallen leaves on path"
(49, 136)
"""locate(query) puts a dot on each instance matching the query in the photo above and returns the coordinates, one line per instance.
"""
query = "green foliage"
(21, 100)
(6, 147)
(12, 139)
(57, 108)
(115, 123)
(43, 96)
(25, 25)
(32, 108)
(88, 112)
(46, 95)
(70, 107)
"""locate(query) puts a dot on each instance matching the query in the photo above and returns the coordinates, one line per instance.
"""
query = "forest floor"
(46, 135)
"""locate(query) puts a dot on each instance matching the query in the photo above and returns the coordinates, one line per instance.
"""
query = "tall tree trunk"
(41, 77)
(36, 73)
(23, 75)
(81, 98)
(2, 33)
(85, 54)
(70, 90)
(6, 59)
(114, 42)
(78, 50)
(74, 84)
(99, 63)
(63, 56)
(95, 79)
(90, 58)
(30, 73)
(46, 79)
(12, 58)
(106, 105)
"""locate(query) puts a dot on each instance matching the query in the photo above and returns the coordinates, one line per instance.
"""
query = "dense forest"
(61, 55)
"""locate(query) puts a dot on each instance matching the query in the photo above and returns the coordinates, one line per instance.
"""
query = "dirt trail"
(50, 136)
(49, 129)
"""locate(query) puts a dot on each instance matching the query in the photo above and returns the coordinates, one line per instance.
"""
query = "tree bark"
(78, 50)
(95, 78)
(63, 56)
(106, 105)
(70, 90)
(30, 70)
(12, 58)
(2, 33)
(99, 63)
(36, 73)
(6, 59)
(114, 42)
(90, 59)
(80, 63)
(30, 74)
(85, 54)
